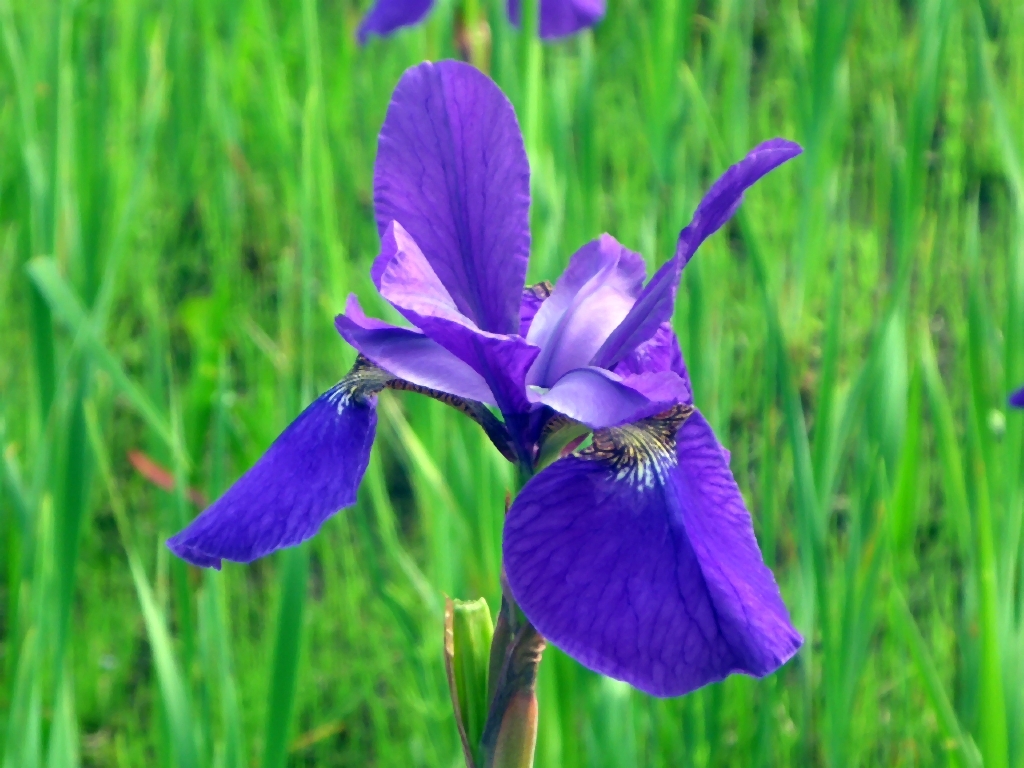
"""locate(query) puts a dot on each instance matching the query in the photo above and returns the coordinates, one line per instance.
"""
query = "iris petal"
(559, 18)
(451, 167)
(388, 15)
(659, 353)
(657, 302)
(600, 398)
(638, 559)
(310, 472)
(590, 299)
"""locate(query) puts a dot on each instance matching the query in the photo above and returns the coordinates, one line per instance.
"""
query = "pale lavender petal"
(388, 15)
(1017, 398)
(411, 356)
(600, 398)
(590, 299)
(404, 277)
(452, 169)
(310, 472)
(647, 570)
(559, 18)
(656, 303)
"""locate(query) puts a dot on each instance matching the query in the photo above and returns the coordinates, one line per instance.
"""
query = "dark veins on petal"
(641, 452)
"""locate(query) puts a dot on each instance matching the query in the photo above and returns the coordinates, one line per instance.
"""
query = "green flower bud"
(467, 645)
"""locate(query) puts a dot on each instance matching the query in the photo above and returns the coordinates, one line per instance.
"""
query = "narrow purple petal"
(600, 398)
(501, 361)
(642, 564)
(656, 303)
(310, 472)
(1017, 398)
(406, 279)
(559, 18)
(533, 297)
(388, 15)
(410, 355)
(452, 169)
(590, 299)
(659, 353)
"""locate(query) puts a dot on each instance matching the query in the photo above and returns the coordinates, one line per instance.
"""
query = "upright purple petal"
(388, 15)
(638, 559)
(452, 169)
(656, 303)
(559, 18)
(310, 472)
(411, 356)
(1017, 398)
(590, 299)
(600, 398)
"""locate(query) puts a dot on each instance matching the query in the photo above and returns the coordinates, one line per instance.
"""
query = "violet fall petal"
(451, 167)
(642, 564)
(559, 18)
(657, 302)
(386, 16)
(310, 472)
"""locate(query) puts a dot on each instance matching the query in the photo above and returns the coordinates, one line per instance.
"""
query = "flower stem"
(510, 735)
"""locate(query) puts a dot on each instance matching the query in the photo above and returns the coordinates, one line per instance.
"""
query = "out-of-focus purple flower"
(558, 18)
(1017, 398)
(636, 554)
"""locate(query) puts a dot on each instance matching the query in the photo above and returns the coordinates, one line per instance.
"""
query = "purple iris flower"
(635, 554)
(558, 18)
(1017, 398)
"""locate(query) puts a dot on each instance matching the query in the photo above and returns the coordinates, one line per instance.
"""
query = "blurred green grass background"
(185, 201)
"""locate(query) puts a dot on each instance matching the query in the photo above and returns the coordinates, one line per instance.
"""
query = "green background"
(185, 202)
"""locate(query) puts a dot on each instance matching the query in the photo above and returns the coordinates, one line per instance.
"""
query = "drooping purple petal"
(410, 355)
(310, 472)
(640, 562)
(388, 15)
(600, 398)
(656, 303)
(452, 169)
(590, 299)
(406, 279)
(1017, 398)
(559, 18)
